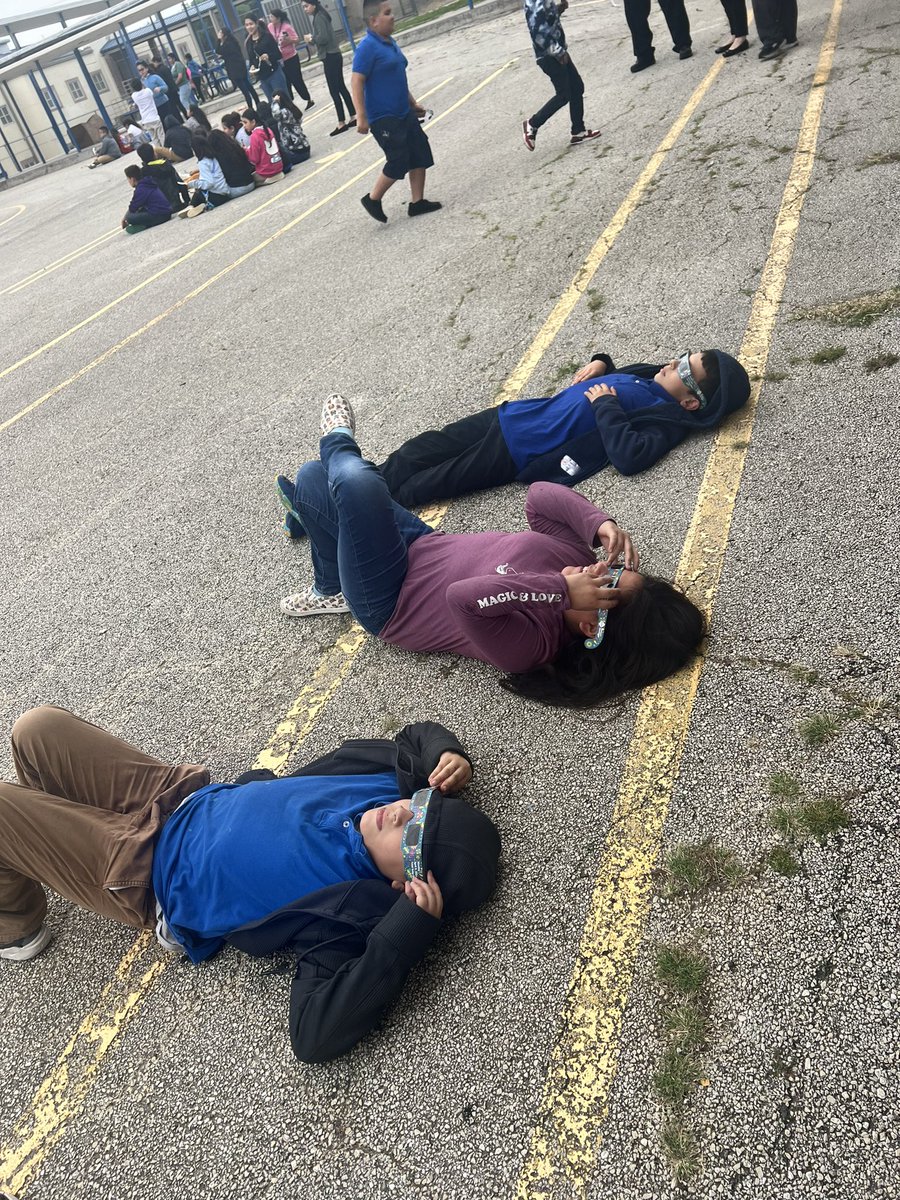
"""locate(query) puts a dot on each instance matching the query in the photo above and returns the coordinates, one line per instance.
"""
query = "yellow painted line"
(251, 253)
(20, 208)
(279, 195)
(582, 1068)
(59, 262)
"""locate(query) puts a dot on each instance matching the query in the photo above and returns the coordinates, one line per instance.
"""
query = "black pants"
(294, 77)
(568, 89)
(211, 199)
(776, 20)
(463, 457)
(637, 14)
(146, 219)
(334, 77)
(736, 12)
(243, 84)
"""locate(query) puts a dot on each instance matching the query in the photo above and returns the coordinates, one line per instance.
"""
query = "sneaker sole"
(313, 612)
(31, 950)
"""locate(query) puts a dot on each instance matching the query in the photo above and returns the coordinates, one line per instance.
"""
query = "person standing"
(637, 14)
(264, 57)
(182, 82)
(385, 105)
(324, 35)
(168, 78)
(549, 42)
(776, 22)
(236, 66)
(158, 86)
(195, 73)
(288, 39)
(736, 12)
(145, 102)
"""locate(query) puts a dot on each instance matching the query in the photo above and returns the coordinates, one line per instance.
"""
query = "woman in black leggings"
(325, 37)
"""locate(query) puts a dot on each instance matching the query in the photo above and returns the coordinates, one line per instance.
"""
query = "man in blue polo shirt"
(385, 105)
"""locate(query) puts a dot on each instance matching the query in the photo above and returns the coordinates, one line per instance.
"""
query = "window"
(99, 81)
(76, 91)
(5, 115)
(49, 98)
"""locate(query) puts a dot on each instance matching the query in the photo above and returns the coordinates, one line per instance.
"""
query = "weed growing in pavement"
(692, 869)
(739, 445)
(775, 376)
(464, 341)
(565, 370)
(818, 729)
(828, 354)
(682, 970)
(818, 818)
(880, 160)
(782, 784)
(681, 1150)
(803, 675)
(880, 361)
(595, 300)
(677, 1075)
(857, 312)
(780, 860)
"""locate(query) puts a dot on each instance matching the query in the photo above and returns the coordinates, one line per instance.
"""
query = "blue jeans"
(358, 536)
(275, 83)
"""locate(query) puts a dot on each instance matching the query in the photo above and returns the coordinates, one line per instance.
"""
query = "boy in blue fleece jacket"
(629, 421)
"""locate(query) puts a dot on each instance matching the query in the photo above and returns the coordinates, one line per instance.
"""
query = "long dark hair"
(226, 149)
(647, 639)
(285, 101)
(200, 116)
(200, 145)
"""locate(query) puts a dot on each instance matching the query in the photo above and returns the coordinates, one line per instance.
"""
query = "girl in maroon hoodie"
(565, 627)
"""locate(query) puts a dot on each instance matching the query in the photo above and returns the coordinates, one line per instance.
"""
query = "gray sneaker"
(309, 603)
(336, 413)
(27, 947)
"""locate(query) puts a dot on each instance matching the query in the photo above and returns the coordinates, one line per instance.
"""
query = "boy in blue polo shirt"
(385, 105)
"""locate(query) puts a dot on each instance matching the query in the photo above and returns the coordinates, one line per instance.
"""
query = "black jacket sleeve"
(632, 445)
(341, 990)
(420, 747)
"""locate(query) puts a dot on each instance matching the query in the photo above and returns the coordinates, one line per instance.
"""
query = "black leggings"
(146, 219)
(294, 77)
(334, 77)
(212, 199)
(244, 85)
(466, 456)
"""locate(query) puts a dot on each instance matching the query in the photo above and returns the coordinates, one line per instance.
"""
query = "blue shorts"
(404, 144)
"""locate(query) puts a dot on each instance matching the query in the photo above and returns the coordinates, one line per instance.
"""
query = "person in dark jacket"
(177, 145)
(166, 178)
(264, 57)
(384, 850)
(630, 421)
(236, 66)
(148, 204)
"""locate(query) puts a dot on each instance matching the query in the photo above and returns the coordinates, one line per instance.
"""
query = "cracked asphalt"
(143, 564)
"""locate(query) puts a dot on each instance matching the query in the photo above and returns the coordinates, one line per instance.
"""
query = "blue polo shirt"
(233, 853)
(531, 428)
(384, 65)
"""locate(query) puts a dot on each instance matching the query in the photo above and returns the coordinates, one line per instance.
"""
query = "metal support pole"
(23, 124)
(93, 90)
(342, 13)
(10, 152)
(46, 108)
(166, 34)
(59, 107)
(128, 48)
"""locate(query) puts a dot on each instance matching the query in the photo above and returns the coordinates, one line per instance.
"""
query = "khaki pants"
(83, 819)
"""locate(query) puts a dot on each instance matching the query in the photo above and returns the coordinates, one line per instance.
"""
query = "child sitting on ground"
(148, 205)
(350, 862)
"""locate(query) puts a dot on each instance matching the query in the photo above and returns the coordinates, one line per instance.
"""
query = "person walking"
(324, 35)
(236, 66)
(264, 57)
(288, 39)
(548, 40)
(637, 14)
(385, 105)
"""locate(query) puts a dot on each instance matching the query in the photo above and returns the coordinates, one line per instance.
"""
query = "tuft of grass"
(858, 312)
(784, 821)
(818, 729)
(677, 1075)
(804, 675)
(739, 445)
(782, 784)
(565, 370)
(464, 341)
(595, 300)
(692, 869)
(780, 860)
(681, 970)
(881, 160)
(681, 1150)
(686, 1025)
(775, 376)
(828, 354)
(823, 817)
(879, 362)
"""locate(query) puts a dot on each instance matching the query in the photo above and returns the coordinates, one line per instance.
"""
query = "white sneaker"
(336, 412)
(27, 947)
(309, 603)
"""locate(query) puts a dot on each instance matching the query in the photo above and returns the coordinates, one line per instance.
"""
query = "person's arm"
(512, 621)
(342, 989)
(430, 753)
(560, 513)
(358, 92)
(633, 446)
(599, 365)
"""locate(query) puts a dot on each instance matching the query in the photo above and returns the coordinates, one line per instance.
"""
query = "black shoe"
(745, 45)
(641, 64)
(373, 208)
(770, 50)
(419, 207)
(684, 52)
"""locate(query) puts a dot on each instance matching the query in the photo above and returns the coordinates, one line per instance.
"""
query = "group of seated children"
(251, 150)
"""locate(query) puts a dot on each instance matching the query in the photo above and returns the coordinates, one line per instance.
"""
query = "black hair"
(710, 361)
(649, 637)
(264, 115)
(200, 145)
(135, 85)
(106, 127)
(225, 35)
(249, 115)
(371, 8)
(231, 120)
(200, 116)
(226, 149)
(171, 122)
(145, 153)
(278, 13)
(317, 5)
(286, 102)
(133, 171)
